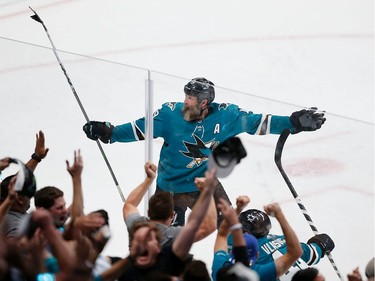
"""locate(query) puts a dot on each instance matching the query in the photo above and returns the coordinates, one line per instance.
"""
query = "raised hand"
(355, 275)
(77, 167)
(40, 149)
(273, 209)
(200, 183)
(150, 170)
(241, 202)
(228, 212)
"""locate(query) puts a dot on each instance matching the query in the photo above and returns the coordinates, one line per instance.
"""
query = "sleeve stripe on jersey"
(314, 255)
(265, 125)
(138, 134)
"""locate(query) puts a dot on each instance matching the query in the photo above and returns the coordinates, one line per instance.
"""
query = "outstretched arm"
(137, 194)
(181, 246)
(294, 250)
(309, 119)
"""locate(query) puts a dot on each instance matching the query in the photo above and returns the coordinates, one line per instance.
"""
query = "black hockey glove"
(98, 130)
(324, 242)
(307, 120)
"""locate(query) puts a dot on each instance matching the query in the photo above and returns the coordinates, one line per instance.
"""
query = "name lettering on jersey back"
(272, 246)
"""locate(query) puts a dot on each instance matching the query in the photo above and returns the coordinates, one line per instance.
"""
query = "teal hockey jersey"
(188, 144)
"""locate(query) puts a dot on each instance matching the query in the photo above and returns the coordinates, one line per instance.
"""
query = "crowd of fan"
(59, 243)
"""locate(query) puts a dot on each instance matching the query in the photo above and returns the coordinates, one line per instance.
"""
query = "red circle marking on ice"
(314, 166)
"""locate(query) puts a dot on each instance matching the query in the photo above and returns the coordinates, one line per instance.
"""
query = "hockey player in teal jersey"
(271, 246)
(191, 130)
(269, 271)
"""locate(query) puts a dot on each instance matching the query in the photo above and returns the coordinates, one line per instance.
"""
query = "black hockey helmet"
(201, 88)
(255, 222)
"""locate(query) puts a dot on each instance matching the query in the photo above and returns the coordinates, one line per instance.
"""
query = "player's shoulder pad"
(230, 107)
(224, 105)
(167, 108)
(172, 105)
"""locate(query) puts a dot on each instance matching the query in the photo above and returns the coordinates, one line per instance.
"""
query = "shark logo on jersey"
(197, 151)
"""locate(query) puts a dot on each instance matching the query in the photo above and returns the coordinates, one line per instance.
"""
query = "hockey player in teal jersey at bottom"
(191, 130)
(269, 271)
(271, 246)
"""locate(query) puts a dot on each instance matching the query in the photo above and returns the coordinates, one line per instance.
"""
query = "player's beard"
(192, 113)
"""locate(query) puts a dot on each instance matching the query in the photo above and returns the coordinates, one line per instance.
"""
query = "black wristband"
(36, 157)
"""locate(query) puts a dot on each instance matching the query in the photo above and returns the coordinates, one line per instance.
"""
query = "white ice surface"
(275, 56)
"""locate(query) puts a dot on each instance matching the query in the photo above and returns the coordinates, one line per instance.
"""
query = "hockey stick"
(38, 19)
(279, 149)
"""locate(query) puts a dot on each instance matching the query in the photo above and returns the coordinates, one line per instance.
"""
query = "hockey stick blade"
(280, 146)
(36, 16)
(278, 153)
